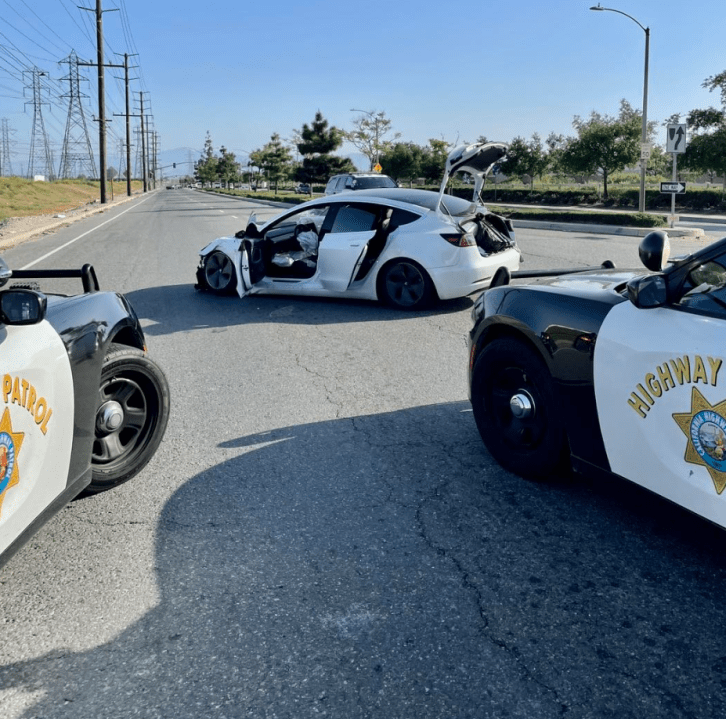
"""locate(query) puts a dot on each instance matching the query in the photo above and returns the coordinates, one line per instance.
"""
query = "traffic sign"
(377, 167)
(676, 137)
(677, 188)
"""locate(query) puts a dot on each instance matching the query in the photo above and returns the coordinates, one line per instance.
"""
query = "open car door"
(251, 264)
(343, 246)
(339, 257)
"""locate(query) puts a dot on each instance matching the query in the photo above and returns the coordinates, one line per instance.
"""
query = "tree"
(525, 158)
(205, 169)
(317, 142)
(227, 166)
(604, 144)
(706, 150)
(368, 135)
(403, 160)
(274, 159)
(434, 160)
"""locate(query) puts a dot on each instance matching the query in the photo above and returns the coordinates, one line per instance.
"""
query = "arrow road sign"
(677, 188)
(676, 138)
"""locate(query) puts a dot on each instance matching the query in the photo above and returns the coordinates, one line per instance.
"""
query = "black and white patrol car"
(83, 406)
(612, 370)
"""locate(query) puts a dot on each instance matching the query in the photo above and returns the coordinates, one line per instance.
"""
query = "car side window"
(706, 289)
(401, 217)
(354, 219)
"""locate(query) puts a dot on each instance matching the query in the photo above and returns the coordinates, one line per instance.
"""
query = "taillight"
(459, 239)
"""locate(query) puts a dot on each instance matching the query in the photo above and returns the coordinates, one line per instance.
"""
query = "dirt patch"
(15, 230)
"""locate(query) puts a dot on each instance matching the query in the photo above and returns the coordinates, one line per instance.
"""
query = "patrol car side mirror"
(654, 250)
(22, 307)
(649, 291)
(5, 272)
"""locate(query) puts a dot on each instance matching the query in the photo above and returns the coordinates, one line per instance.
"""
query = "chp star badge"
(9, 449)
(705, 427)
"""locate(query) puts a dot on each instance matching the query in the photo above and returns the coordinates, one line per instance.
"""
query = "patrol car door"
(343, 247)
(660, 388)
(36, 425)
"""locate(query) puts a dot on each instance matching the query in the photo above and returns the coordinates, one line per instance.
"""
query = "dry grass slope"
(22, 198)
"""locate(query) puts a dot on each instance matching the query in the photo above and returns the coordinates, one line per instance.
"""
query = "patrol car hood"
(589, 283)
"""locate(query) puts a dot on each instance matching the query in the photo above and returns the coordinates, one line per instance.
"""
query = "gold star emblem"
(9, 449)
(705, 427)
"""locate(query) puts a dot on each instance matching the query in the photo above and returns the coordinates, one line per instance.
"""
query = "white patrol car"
(82, 408)
(612, 370)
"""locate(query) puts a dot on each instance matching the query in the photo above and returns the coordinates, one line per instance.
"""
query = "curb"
(606, 229)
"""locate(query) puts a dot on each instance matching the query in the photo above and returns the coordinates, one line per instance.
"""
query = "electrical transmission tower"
(40, 161)
(122, 157)
(77, 155)
(6, 167)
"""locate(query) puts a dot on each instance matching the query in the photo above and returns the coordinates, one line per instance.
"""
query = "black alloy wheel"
(405, 285)
(515, 409)
(133, 410)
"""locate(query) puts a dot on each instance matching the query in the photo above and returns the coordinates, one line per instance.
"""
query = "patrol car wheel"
(514, 407)
(132, 413)
(405, 285)
(219, 272)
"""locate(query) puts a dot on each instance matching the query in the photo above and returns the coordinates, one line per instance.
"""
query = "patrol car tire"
(405, 285)
(131, 418)
(218, 272)
(534, 444)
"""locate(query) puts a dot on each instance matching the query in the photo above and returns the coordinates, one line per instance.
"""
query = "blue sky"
(453, 71)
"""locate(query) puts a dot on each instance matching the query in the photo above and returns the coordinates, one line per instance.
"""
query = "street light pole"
(644, 132)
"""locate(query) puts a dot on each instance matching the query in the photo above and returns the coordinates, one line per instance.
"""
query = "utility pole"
(101, 95)
(144, 167)
(128, 116)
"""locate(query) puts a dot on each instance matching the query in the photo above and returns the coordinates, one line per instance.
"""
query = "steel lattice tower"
(39, 160)
(6, 167)
(122, 157)
(77, 156)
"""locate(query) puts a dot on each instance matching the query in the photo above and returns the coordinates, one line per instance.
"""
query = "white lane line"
(70, 242)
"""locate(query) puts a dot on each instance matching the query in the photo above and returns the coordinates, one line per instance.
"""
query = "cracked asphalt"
(323, 533)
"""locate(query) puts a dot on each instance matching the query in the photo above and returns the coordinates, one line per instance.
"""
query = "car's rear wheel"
(405, 285)
(133, 410)
(515, 409)
(219, 272)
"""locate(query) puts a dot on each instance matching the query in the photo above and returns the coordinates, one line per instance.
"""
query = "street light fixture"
(644, 134)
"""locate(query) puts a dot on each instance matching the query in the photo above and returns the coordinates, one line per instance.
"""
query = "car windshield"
(367, 183)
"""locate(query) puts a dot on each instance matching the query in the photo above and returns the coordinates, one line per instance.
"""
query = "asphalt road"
(322, 532)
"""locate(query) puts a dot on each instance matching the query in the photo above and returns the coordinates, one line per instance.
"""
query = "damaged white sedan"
(403, 247)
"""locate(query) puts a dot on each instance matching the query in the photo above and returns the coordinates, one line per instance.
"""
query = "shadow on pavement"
(415, 583)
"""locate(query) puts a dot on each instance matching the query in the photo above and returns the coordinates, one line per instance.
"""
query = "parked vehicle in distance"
(303, 189)
(403, 247)
(358, 181)
(608, 370)
(84, 407)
